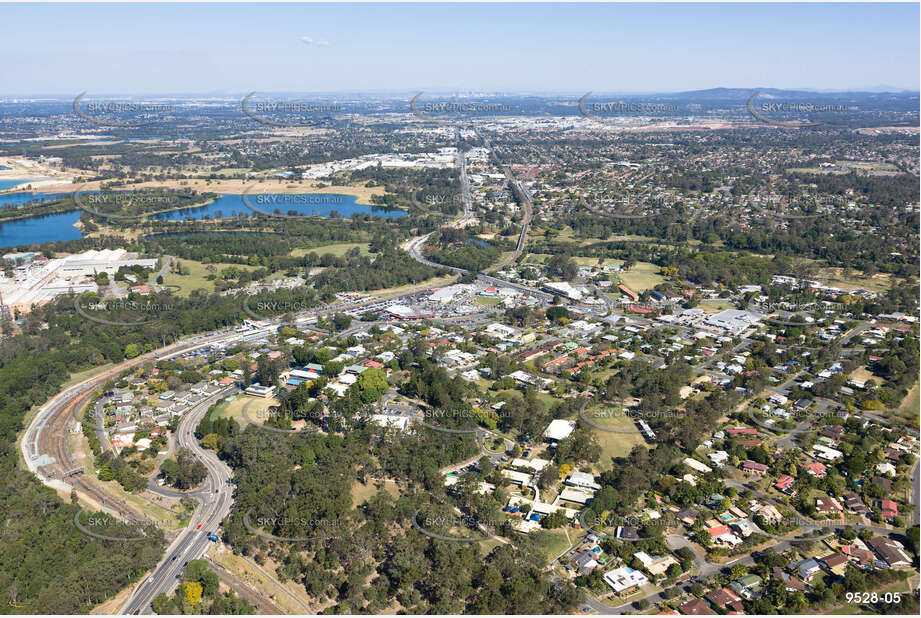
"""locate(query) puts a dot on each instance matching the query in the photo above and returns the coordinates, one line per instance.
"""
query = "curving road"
(416, 246)
(216, 496)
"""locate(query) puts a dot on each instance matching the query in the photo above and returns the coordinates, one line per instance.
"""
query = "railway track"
(60, 427)
(49, 431)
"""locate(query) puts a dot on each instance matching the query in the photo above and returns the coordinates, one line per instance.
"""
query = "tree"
(341, 321)
(199, 571)
(185, 472)
(162, 604)
(371, 385)
(554, 520)
(563, 267)
(192, 593)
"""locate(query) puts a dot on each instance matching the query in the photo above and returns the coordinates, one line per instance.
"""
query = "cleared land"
(198, 276)
(337, 249)
(836, 277)
(290, 597)
(224, 185)
(361, 493)
(234, 408)
(641, 276)
(553, 543)
(613, 443)
(910, 405)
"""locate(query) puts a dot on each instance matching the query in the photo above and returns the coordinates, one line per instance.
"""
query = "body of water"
(40, 229)
(18, 199)
(8, 184)
(60, 226)
(308, 205)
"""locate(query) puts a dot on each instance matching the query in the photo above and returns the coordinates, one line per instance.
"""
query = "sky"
(64, 49)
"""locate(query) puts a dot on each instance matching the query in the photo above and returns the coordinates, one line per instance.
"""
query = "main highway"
(46, 452)
(44, 446)
(526, 204)
(216, 496)
(416, 246)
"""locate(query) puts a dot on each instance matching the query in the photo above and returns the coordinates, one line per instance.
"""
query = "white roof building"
(579, 496)
(733, 320)
(696, 465)
(390, 420)
(824, 452)
(563, 289)
(559, 429)
(581, 479)
(625, 578)
(885, 468)
(518, 477)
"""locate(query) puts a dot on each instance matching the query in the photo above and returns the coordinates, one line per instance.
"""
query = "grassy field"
(196, 279)
(290, 597)
(910, 405)
(412, 288)
(487, 301)
(861, 373)
(338, 249)
(614, 444)
(716, 307)
(234, 409)
(837, 278)
(553, 543)
(642, 276)
(230, 171)
(360, 492)
(546, 398)
(536, 258)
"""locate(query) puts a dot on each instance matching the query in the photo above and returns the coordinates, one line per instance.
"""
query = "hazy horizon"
(142, 49)
(216, 94)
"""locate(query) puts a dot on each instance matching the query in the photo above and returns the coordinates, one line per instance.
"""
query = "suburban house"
(747, 587)
(889, 508)
(791, 583)
(836, 563)
(785, 484)
(753, 467)
(725, 598)
(806, 569)
(625, 581)
(816, 469)
(853, 503)
(696, 607)
(828, 506)
(657, 565)
(889, 551)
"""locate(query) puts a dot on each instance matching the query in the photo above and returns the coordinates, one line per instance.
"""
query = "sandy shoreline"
(362, 194)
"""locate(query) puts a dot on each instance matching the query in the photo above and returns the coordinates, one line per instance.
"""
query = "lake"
(8, 184)
(310, 205)
(50, 228)
(60, 226)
